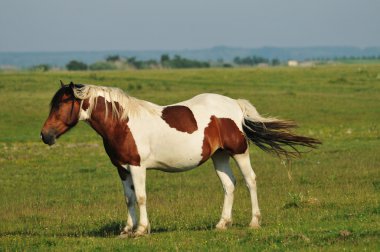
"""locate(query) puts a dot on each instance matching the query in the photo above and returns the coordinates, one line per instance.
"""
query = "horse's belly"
(177, 154)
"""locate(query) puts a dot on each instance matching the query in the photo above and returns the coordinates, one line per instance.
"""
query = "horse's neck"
(103, 123)
(100, 124)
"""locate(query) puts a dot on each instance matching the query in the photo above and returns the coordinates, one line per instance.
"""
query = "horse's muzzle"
(48, 138)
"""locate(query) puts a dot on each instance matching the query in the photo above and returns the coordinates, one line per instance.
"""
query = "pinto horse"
(139, 135)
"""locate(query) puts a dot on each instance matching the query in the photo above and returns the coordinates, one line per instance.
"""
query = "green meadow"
(68, 197)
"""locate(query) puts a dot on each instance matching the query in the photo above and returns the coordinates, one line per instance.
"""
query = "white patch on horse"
(83, 114)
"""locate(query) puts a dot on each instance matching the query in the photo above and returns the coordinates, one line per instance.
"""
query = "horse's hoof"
(141, 231)
(127, 232)
(255, 224)
(124, 235)
(138, 234)
(223, 224)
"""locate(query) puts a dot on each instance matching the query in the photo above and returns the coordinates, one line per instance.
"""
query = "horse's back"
(206, 105)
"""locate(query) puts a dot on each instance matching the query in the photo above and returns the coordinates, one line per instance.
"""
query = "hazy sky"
(67, 25)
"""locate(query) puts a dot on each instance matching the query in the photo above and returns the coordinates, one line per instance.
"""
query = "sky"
(97, 25)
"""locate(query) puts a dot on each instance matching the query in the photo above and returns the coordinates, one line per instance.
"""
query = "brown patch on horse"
(211, 140)
(85, 104)
(118, 140)
(180, 118)
(233, 140)
(222, 133)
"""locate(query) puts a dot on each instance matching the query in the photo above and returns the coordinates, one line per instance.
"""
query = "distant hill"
(27, 59)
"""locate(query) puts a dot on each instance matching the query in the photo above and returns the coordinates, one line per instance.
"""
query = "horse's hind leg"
(223, 170)
(244, 164)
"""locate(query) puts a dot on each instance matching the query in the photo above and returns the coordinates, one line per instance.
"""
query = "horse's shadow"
(110, 229)
(115, 227)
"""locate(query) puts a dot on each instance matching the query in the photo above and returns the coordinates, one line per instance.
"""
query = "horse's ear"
(62, 84)
(71, 85)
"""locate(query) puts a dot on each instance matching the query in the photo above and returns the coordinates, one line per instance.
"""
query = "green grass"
(69, 197)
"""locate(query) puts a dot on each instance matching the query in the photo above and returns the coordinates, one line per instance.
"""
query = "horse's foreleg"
(244, 164)
(130, 199)
(138, 177)
(223, 170)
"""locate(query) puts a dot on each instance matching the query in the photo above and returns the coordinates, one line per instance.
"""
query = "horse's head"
(64, 114)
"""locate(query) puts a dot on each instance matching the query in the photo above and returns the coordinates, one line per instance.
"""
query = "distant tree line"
(116, 62)
(255, 60)
(113, 62)
(344, 58)
(358, 58)
(141, 64)
(179, 62)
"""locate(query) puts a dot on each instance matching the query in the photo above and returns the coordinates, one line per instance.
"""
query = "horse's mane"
(123, 105)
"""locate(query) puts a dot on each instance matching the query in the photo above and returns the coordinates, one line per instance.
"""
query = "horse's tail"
(271, 134)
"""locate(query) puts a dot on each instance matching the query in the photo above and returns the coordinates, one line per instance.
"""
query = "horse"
(139, 135)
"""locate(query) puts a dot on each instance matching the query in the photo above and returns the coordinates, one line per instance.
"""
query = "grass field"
(69, 197)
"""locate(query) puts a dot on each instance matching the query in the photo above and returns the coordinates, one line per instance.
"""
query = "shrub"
(227, 65)
(102, 65)
(179, 62)
(75, 65)
(113, 58)
(41, 68)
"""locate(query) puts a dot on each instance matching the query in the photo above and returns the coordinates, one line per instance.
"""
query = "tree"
(75, 65)
(164, 58)
(275, 62)
(135, 63)
(113, 58)
(250, 61)
(179, 62)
